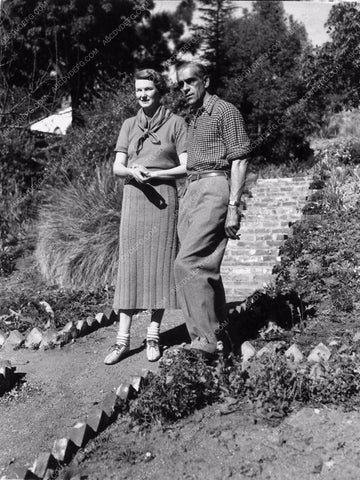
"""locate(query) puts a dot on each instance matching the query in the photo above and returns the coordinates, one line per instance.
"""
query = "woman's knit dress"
(148, 234)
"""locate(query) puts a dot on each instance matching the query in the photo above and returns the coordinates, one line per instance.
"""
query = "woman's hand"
(152, 174)
(140, 173)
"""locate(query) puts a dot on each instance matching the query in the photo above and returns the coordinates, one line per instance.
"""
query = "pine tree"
(214, 15)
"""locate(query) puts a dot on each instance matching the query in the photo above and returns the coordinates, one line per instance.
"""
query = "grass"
(78, 232)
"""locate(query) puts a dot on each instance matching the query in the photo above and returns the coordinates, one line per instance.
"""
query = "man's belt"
(209, 173)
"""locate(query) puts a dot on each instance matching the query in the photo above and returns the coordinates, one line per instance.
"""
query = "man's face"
(192, 86)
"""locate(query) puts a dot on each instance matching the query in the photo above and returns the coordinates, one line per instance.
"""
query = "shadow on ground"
(246, 319)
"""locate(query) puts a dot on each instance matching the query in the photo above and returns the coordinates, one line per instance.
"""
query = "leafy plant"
(185, 383)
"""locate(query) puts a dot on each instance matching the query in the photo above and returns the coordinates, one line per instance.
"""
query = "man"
(218, 149)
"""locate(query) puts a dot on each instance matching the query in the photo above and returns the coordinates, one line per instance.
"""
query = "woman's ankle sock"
(153, 332)
(123, 339)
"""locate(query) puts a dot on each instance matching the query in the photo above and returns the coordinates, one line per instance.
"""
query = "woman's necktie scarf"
(149, 126)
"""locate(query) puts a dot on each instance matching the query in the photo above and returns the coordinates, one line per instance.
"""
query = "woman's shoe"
(118, 351)
(152, 350)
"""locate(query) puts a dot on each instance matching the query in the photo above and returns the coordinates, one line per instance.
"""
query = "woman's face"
(147, 94)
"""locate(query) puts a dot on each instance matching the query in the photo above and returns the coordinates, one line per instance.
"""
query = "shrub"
(185, 383)
(22, 308)
(320, 262)
(78, 231)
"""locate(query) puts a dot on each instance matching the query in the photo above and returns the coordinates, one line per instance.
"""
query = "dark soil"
(310, 444)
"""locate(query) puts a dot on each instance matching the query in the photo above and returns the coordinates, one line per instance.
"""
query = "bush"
(78, 232)
(320, 262)
(185, 383)
(22, 308)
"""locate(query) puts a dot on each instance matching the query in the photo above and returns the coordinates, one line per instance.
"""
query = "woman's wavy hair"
(154, 76)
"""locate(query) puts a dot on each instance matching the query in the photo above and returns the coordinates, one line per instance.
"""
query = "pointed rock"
(63, 450)
(137, 383)
(146, 374)
(97, 420)
(294, 354)
(43, 462)
(33, 339)
(5, 363)
(14, 340)
(102, 319)
(92, 323)
(108, 404)
(6, 376)
(70, 327)
(62, 338)
(2, 338)
(82, 328)
(247, 351)
(49, 339)
(47, 308)
(125, 391)
(110, 315)
(320, 353)
(81, 433)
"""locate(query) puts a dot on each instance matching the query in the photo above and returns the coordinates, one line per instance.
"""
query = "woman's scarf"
(149, 126)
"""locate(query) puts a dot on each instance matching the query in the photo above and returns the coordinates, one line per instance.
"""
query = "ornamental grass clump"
(78, 232)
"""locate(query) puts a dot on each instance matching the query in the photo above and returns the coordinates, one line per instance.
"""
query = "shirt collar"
(208, 106)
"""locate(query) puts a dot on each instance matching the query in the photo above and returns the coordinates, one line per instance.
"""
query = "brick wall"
(270, 208)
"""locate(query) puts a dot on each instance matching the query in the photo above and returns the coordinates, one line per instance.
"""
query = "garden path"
(62, 384)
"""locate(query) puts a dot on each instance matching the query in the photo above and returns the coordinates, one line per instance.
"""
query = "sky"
(311, 13)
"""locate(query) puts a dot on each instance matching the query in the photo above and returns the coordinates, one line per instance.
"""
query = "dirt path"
(62, 385)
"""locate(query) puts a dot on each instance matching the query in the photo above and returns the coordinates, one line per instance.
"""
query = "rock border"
(7, 376)
(100, 417)
(64, 449)
(36, 339)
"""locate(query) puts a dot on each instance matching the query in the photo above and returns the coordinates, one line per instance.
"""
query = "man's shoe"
(224, 345)
(202, 345)
(152, 350)
(118, 351)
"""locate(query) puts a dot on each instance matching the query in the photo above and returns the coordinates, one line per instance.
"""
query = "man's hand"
(232, 222)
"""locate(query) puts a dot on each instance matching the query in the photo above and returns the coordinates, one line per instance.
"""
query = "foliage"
(263, 80)
(58, 37)
(77, 49)
(321, 263)
(23, 310)
(33, 164)
(320, 260)
(331, 71)
(185, 383)
(272, 385)
(78, 227)
(214, 15)
(160, 31)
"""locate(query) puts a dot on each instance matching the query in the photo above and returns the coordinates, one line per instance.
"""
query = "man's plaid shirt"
(216, 136)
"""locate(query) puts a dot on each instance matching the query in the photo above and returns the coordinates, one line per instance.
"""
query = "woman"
(151, 154)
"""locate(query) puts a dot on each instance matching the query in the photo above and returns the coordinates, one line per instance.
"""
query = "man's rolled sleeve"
(234, 135)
